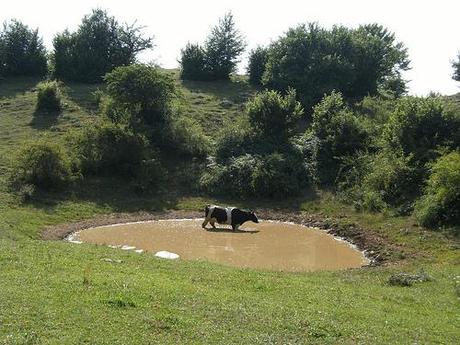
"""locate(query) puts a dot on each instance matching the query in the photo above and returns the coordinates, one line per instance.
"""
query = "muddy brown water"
(267, 245)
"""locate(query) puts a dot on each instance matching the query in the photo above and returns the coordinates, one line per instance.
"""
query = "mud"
(267, 245)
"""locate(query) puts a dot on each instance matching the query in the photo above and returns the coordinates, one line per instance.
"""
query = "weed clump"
(405, 279)
(42, 165)
(48, 96)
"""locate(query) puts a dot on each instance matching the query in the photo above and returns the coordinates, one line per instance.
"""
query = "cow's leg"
(205, 223)
(235, 227)
(213, 222)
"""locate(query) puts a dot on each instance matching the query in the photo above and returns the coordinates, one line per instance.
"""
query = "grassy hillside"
(53, 292)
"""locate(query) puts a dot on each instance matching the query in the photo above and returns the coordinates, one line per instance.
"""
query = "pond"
(268, 245)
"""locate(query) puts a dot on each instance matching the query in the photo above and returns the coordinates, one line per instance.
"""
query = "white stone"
(166, 255)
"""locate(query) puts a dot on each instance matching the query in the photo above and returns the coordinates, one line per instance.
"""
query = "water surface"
(267, 245)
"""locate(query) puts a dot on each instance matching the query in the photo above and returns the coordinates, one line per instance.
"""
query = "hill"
(56, 292)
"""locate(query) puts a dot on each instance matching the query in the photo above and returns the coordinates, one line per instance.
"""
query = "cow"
(227, 215)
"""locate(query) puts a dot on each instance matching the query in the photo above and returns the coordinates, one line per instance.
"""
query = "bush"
(110, 149)
(43, 165)
(440, 204)
(140, 95)
(316, 61)
(340, 134)
(99, 45)
(234, 179)
(186, 137)
(279, 175)
(22, 52)
(193, 63)
(218, 59)
(256, 67)
(275, 175)
(274, 116)
(390, 181)
(48, 96)
(420, 126)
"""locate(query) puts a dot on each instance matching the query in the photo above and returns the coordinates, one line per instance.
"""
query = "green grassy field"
(52, 292)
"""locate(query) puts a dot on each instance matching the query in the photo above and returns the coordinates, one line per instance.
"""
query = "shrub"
(99, 45)
(280, 175)
(110, 149)
(390, 181)
(186, 137)
(193, 63)
(420, 126)
(48, 96)
(234, 179)
(140, 95)
(43, 165)
(256, 67)
(440, 204)
(456, 67)
(316, 61)
(276, 175)
(340, 133)
(22, 52)
(218, 59)
(274, 116)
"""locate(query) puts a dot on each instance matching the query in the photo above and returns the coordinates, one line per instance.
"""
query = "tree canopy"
(22, 52)
(99, 45)
(456, 66)
(219, 56)
(316, 61)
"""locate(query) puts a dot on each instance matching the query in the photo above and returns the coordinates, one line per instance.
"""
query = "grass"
(61, 293)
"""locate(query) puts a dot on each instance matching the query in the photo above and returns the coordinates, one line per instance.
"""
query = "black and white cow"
(227, 215)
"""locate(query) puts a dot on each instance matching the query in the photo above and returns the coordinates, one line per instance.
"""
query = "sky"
(429, 29)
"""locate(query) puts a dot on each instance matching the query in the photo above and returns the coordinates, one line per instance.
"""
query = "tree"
(456, 66)
(257, 60)
(274, 116)
(142, 93)
(99, 45)
(340, 134)
(193, 62)
(316, 61)
(22, 52)
(218, 57)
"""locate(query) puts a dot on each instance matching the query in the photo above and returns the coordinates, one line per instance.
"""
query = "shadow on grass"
(237, 91)
(10, 87)
(82, 95)
(44, 119)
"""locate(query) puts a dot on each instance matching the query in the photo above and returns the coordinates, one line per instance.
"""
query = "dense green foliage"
(43, 165)
(110, 149)
(316, 61)
(456, 67)
(274, 116)
(141, 97)
(48, 96)
(259, 155)
(193, 62)
(340, 133)
(256, 65)
(219, 56)
(22, 52)
(99, 45)
(440, 204)
(414, 135)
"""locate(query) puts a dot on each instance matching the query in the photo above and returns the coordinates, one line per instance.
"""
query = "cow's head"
(253, 217)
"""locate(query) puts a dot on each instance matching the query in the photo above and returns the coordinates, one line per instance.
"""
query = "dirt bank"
(378, 248)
